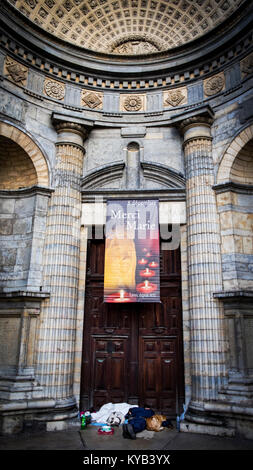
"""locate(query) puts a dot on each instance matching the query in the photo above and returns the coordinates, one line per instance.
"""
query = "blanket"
(104, 412)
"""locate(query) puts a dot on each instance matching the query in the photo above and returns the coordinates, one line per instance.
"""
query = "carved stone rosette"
(175, 97)
(92, 100)
(54, 89)
(214, 85)
(132, 103)
(15, 71)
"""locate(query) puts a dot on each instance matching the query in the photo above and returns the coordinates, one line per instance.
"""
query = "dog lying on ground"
(156, 423)
(115, 418)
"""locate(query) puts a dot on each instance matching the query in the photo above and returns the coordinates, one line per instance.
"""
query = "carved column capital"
(70, 133)
(196, 120)
(196, 127)
(71, 127)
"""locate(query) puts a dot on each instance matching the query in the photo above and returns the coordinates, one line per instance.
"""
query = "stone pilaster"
(206, 317)
(56, 354)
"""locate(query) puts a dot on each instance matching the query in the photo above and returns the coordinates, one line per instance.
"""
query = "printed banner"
(132, 261)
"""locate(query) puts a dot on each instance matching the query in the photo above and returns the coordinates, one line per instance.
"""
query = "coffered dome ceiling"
(127, 26)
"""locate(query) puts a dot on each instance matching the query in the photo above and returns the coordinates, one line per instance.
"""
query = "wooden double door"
(133, 352)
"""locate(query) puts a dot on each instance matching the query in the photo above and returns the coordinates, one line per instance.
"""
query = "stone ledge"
(26, 192)
(18, 405)
(233, 295)
(220, 188)
(30, 295)
(170, 194)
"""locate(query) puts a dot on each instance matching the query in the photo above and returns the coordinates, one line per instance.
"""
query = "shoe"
(167, 424)
(130, 431)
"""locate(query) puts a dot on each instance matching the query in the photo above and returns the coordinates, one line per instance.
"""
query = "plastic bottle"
(83, 422)
(88, 417)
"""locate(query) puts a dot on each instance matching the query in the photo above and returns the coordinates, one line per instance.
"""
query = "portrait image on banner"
(132, 251)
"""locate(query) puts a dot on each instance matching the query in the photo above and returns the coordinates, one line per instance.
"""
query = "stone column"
(56, 354)
(208, 345)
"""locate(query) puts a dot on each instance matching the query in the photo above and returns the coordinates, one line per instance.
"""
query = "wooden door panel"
(100, 374)
(109, 370)
(168, 376)
(158, 356)
(132, 352)
(117, 365)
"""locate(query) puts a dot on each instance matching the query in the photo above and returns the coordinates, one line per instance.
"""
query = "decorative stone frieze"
(176, 97)
(92, 100)
(167, 78)
(247, 66)
(214, 85)
(54, 89)
(15, 71)
(132, 103)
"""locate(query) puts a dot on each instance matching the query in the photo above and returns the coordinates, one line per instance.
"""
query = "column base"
(238, 390)
(219, 418)
(37, 414)
(221, 431)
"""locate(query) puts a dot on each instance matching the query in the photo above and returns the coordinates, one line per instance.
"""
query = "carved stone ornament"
(54, 89)
(247, 65)
(135, 47)
(16, 71)
(214, 85)
(175, 97)
(133, 103)
(92, 100)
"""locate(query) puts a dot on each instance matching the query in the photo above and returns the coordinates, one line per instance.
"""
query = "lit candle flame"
(121, 293)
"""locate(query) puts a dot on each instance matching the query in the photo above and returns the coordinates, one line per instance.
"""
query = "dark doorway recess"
(133, 353)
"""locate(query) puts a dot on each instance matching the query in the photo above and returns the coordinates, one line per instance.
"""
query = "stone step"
(212, 430)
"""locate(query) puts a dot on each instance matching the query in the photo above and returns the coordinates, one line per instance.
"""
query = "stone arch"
(133, 146)
(30, 149)
(242, 167)
(227, 162)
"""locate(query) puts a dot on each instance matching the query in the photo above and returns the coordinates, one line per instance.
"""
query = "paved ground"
(90, 440)
(87, 447)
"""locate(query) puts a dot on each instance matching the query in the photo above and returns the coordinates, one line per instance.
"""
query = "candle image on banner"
(132, 261)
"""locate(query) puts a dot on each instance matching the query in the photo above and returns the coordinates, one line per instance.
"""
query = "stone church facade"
(125, 99)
